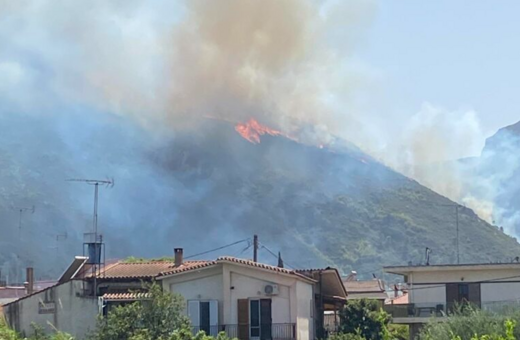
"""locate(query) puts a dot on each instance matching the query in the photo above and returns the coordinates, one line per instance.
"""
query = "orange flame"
(252, 130)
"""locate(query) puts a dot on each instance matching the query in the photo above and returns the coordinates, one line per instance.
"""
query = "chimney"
(178, 256)
(30, 280)
(280, 260)
(351, 277)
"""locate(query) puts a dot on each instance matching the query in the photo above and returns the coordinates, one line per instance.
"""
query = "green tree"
(155, 318)
(365, 318)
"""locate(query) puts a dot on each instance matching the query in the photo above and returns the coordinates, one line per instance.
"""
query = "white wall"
(74, 315)
(228, 283)
(500, 291)
(429, 294)
(305, 303)
(202, 285)
(247, 287)
(465, 275)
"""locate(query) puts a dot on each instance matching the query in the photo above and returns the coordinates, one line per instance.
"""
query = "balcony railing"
(441, 309)
(275, 331)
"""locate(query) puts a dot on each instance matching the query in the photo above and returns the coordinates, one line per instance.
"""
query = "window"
(203, 316)
(463, 292)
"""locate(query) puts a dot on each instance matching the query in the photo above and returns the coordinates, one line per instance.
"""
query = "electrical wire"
(219, 248)
(275, 255)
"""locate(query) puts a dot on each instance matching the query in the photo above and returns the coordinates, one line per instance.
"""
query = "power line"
(275, 255)
(219, 248)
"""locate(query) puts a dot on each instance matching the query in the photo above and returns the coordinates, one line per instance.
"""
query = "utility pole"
(255, 248)
(457, 221)
(95, 245)
(457, 242)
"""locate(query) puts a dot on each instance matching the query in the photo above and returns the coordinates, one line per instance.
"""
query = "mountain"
(206, 187)
(493, 177)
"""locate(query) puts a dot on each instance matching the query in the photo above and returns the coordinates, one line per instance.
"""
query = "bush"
(472, 324)
(156, 318)
(365, 318)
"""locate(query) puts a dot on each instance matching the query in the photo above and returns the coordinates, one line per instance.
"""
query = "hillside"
(331, 205)
(492, 177)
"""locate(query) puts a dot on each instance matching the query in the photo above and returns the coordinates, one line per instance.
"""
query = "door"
(260, 319)
(462, 293)
(266, 321)
(203, 316)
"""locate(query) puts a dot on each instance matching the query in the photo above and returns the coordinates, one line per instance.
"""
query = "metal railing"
(442, 309)
(275, 331)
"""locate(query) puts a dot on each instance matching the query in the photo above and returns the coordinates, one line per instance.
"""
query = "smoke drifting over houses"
(132, 90)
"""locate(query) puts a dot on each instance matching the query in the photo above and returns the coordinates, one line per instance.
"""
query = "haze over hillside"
(319, 205)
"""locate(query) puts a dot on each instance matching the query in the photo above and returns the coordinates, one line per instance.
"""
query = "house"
(250, 300)
(365, 289)
(435, 290)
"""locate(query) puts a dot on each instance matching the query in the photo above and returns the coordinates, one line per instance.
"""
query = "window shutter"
(194, 314)
(243, 319)
(474, 293)
(452, 295)
(213, 317)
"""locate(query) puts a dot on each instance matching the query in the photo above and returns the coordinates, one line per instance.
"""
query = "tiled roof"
(139, 270)
(126, 296)
(263, 266)
(368, 286)
(187, 266)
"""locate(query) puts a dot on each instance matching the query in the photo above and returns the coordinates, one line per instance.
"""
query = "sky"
(405, 68)
(458, 55)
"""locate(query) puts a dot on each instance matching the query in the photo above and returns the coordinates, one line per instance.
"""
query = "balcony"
(442, 309)
(275, 331)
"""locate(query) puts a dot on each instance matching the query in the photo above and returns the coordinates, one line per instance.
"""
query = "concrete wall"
(433, 289)
(304, 313)
(58, 306)
(500, 291)
(202, 285)
(429, 294)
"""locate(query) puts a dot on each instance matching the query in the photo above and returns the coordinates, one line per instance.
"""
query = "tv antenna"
(21, 211)
(108, 183)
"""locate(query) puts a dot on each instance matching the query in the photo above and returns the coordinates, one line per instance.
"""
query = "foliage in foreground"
(365, 320)
(7, 333)
(473, 324)
(156, 318)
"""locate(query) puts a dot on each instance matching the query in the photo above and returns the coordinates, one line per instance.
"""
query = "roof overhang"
(406, 270)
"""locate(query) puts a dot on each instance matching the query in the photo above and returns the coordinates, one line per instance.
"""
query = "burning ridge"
(252, 130)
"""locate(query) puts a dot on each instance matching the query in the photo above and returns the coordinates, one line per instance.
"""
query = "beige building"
(435, 290)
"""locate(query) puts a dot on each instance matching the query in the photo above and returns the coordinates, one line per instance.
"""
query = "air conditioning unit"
(271, 289)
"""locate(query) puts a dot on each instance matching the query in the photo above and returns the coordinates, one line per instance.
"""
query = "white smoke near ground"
(431, 148)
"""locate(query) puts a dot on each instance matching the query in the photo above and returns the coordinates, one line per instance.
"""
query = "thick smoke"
(228, 59)
(170, 65)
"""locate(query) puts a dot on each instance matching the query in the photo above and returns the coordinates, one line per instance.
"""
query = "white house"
(436, 289)
(246, 299)
(253, 301)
